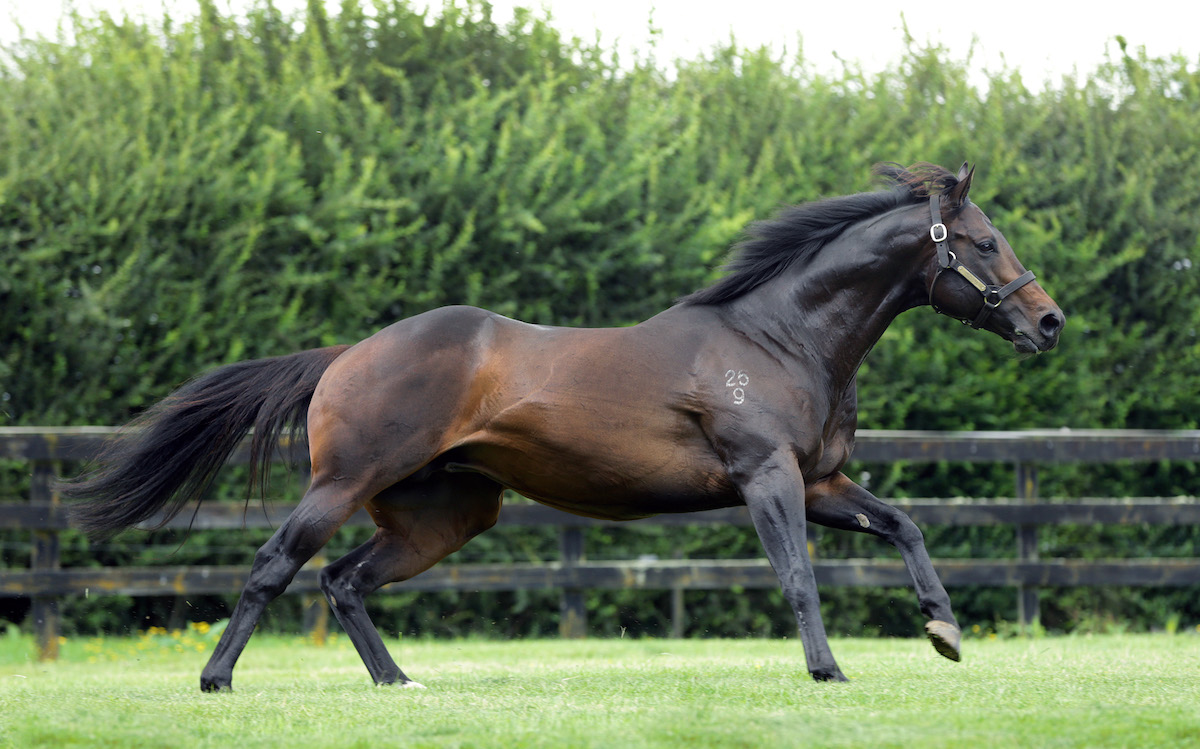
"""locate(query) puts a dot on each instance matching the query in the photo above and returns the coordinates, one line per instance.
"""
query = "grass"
(1101, 691)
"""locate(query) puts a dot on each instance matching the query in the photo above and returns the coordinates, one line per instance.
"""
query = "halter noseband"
(993, 295)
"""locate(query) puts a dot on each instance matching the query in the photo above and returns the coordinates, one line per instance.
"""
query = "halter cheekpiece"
(993, 294)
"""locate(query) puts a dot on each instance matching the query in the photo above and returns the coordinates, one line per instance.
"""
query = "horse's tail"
(170, 454)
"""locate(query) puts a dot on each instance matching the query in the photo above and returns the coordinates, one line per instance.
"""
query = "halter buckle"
(938, 232)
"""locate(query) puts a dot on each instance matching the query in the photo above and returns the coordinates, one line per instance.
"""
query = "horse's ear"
(957, 195)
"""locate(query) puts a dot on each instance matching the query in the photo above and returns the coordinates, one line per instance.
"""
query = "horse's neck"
(837, 305)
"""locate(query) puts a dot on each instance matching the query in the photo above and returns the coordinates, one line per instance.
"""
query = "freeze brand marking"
(736, 381)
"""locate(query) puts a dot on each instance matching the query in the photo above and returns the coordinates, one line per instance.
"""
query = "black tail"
(169, 455)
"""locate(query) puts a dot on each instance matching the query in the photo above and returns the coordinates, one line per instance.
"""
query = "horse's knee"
(894, 526)
(907, 532)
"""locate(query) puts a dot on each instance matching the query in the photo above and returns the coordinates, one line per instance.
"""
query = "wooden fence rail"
(45, 582)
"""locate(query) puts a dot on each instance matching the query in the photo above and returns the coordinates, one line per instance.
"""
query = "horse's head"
(977, 278)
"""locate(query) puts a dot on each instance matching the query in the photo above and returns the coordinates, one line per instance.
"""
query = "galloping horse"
(743, 393)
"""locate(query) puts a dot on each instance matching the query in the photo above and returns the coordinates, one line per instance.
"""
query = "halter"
(993, 294)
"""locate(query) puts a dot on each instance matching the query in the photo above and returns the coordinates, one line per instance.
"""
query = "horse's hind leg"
(840, 503)
(420, 523)
(305, 531)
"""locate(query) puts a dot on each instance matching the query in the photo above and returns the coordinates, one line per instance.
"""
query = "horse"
(742, 393)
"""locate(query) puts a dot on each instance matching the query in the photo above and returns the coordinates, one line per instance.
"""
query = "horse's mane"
(797, 232)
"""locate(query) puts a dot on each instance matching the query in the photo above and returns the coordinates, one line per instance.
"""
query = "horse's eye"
(986, 245)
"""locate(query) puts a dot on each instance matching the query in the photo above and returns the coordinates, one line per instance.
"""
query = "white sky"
(1044, 40)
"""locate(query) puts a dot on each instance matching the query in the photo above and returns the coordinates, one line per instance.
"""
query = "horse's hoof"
(834, 674)
(946, 638)
(215, 685)
(400, 683)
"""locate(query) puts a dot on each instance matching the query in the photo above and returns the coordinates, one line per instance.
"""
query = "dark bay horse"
(742, 393)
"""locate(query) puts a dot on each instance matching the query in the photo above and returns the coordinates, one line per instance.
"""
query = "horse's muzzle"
(1050, 326)
(1044, 338)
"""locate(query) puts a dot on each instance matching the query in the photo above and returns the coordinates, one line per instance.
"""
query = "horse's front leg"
(838, 502)
(774, 494)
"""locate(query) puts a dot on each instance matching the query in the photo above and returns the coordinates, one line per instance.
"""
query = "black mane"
(797, 232)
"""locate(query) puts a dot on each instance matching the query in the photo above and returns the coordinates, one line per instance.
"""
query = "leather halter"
(993, 294)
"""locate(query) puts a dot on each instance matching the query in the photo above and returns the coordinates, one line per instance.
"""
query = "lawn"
(1119, 690)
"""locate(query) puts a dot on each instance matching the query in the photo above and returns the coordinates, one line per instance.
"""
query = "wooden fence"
(44, 515)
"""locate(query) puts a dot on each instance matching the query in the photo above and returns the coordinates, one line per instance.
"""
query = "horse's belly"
(603, 475)
(629, 500)
(641, 507)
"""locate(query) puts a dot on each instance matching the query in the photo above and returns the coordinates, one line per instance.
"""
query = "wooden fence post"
(572, 623)
(678, 610)
(45, 556)
(1028, 606)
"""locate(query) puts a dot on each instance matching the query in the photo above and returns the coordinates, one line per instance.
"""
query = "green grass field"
(1120, 690)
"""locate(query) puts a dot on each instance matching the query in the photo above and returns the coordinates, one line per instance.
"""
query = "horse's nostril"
(1050, 324)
